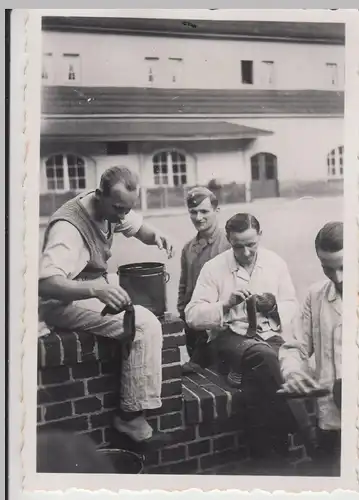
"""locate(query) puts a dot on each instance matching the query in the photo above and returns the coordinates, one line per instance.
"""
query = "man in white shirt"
(318, 333)
(74, 288)
(246, 339)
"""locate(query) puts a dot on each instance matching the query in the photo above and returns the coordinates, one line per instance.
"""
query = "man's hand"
(299, 382)
(236, 297)
(114, 296)
(163, 243)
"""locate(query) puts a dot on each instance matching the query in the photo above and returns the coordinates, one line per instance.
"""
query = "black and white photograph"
(190, 247)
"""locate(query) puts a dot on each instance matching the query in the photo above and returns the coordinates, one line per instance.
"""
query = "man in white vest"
(74, 288)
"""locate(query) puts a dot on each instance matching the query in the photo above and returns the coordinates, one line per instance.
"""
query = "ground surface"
(289, 228)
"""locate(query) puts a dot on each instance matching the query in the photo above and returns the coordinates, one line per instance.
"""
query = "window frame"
(251, 65)
(65, 170)
(335, 163)
(65, 57)
(170, 174)
(269, 64)
(47, 66)
(334, 73)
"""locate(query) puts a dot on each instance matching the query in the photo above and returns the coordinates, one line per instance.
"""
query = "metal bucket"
(123, 461)
(145, 282)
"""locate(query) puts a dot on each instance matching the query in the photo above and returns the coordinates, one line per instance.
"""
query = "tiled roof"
(181, 102)
(89, 129)
(333, 33)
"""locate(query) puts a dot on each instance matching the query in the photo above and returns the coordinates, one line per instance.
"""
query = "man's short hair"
(330, 237)
(196, 195)
(118, 175)
(241, 222)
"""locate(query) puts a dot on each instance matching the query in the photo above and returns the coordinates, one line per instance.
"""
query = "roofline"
(206, 36)
(154, 138)
(78, 25)
(133, 117)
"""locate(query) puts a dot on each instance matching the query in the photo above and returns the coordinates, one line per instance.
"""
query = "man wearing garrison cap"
(209, 241)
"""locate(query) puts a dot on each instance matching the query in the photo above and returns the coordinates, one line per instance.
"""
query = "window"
(332, 70)
(169, 168)
(335, 163)
(47, 71)
(264, 167)
(175, 69)
(255, 167)
(247, 72)
(117, 148)
(151, 61)
(267, 73)
(72, 68)
(65, 173)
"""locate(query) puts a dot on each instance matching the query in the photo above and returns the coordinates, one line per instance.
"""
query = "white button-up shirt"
(222, 275)
(318, 333)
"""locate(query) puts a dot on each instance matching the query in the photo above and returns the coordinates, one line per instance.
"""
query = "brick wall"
(77, 386)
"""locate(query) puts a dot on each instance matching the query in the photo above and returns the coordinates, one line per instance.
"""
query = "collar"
(208, 238)
(332, 293)
(234, 266)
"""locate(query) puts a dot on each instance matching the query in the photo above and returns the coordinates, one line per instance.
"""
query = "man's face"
(245, 246)
(119, 202)
(332, 264)
(204, 216)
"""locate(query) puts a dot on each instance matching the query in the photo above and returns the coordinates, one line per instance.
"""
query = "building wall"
(119, 60)
(300, 144)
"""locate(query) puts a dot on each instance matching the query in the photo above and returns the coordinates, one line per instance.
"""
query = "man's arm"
(205, 311)
(182, 284)
(63, 258)
(295, 353)
(151, 236)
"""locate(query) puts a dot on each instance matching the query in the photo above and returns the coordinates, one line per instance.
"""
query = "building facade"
(256, 109)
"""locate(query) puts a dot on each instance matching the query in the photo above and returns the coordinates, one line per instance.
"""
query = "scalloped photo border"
(24, 162)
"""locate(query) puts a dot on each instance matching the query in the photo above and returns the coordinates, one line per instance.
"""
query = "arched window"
(264, 166)
(65, 173)
(335, 163)
(169, 168)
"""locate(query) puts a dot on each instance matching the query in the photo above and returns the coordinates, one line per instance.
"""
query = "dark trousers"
(326, 460)
(269, 418)
(196, 341)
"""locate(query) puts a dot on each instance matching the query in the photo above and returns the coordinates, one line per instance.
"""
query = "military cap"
(196, 195)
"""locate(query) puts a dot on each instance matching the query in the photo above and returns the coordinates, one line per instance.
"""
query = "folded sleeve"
(205, 310)
(65, 253)
(130, 225)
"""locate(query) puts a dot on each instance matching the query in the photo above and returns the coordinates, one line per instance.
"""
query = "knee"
(147, 322)
(262, 353)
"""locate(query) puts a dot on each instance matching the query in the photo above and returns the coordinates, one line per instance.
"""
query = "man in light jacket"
(318, 334)
(246, 300)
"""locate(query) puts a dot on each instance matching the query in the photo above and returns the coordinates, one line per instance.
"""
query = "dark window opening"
(117, 148)
(255, 172)
(270, 171)
(247, 72)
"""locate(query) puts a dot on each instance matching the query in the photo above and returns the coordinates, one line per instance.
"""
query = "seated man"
(228, 287)
(74, 288)
(319, 333)
(209, 241)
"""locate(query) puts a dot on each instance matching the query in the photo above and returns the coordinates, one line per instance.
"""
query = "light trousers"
(141, 374)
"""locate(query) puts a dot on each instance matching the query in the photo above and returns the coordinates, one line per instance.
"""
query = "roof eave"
(152, 138)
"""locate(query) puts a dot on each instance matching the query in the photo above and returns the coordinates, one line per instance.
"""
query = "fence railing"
(155, 198)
